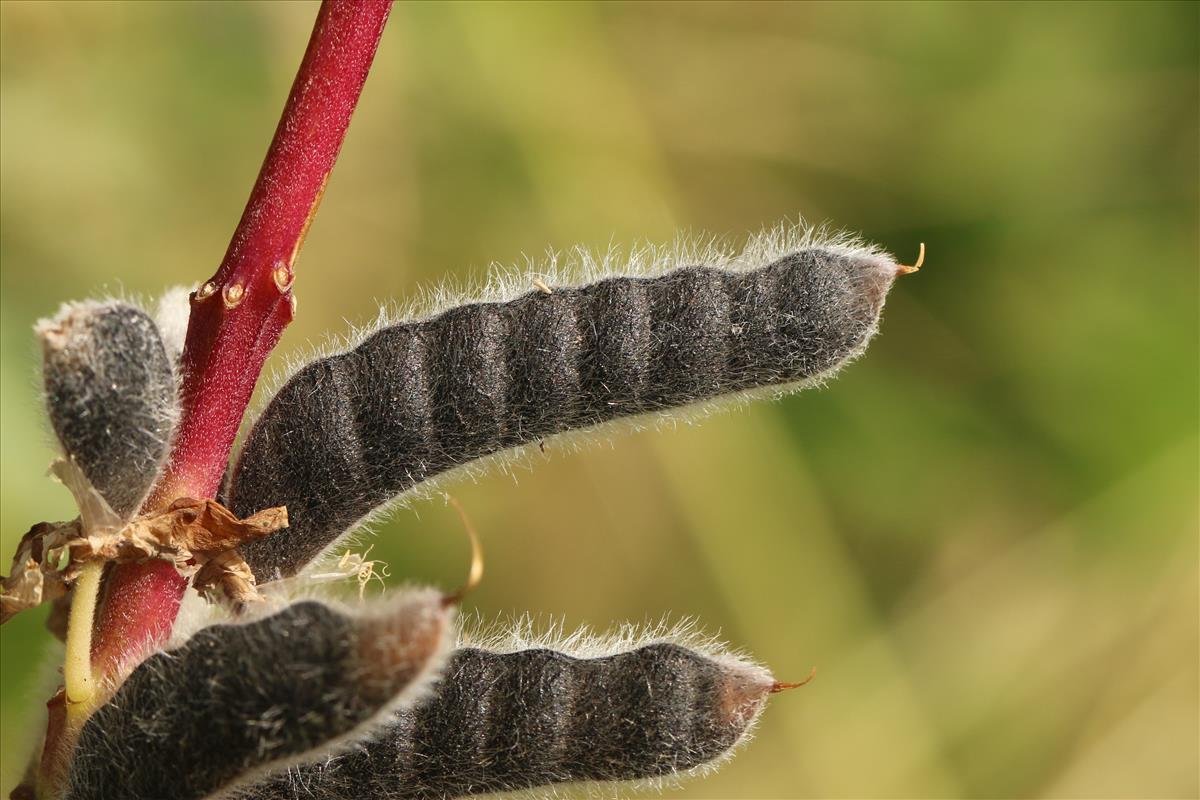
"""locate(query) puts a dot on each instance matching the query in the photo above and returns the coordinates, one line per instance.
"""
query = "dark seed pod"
(502, 722)
(352, 431)
(111, 395)
(236, 700)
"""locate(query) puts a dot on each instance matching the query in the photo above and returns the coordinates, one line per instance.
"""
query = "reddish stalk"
(236, 319)
(238, 315)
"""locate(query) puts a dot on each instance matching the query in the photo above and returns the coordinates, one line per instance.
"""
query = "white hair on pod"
(523, 634)
(171, 314)
(578, 267)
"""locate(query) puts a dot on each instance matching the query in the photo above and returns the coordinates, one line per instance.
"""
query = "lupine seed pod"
(238, 700)
(352, 431)
(502, 722)
(112, 397)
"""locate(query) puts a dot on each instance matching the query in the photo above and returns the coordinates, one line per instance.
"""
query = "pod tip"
(905, 269)
(780, 686)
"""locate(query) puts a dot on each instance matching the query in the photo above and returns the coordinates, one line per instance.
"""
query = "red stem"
(236, 319)
(238, 316)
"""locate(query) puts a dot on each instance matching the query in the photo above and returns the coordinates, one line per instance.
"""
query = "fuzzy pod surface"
(501, 722)
(349, 432)
(237, 700)
(111, 395)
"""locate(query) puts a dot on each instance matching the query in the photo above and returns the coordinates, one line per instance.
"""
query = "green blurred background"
(984, 534)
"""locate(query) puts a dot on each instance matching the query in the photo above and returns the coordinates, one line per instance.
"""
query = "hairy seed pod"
(111, 395)
(237, 700)
(502, 722)
(349, 432)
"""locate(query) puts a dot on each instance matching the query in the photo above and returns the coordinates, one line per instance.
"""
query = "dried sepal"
(188, 533)
(237, 701)
(199, 536)
(227, 576)
(27, 585)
